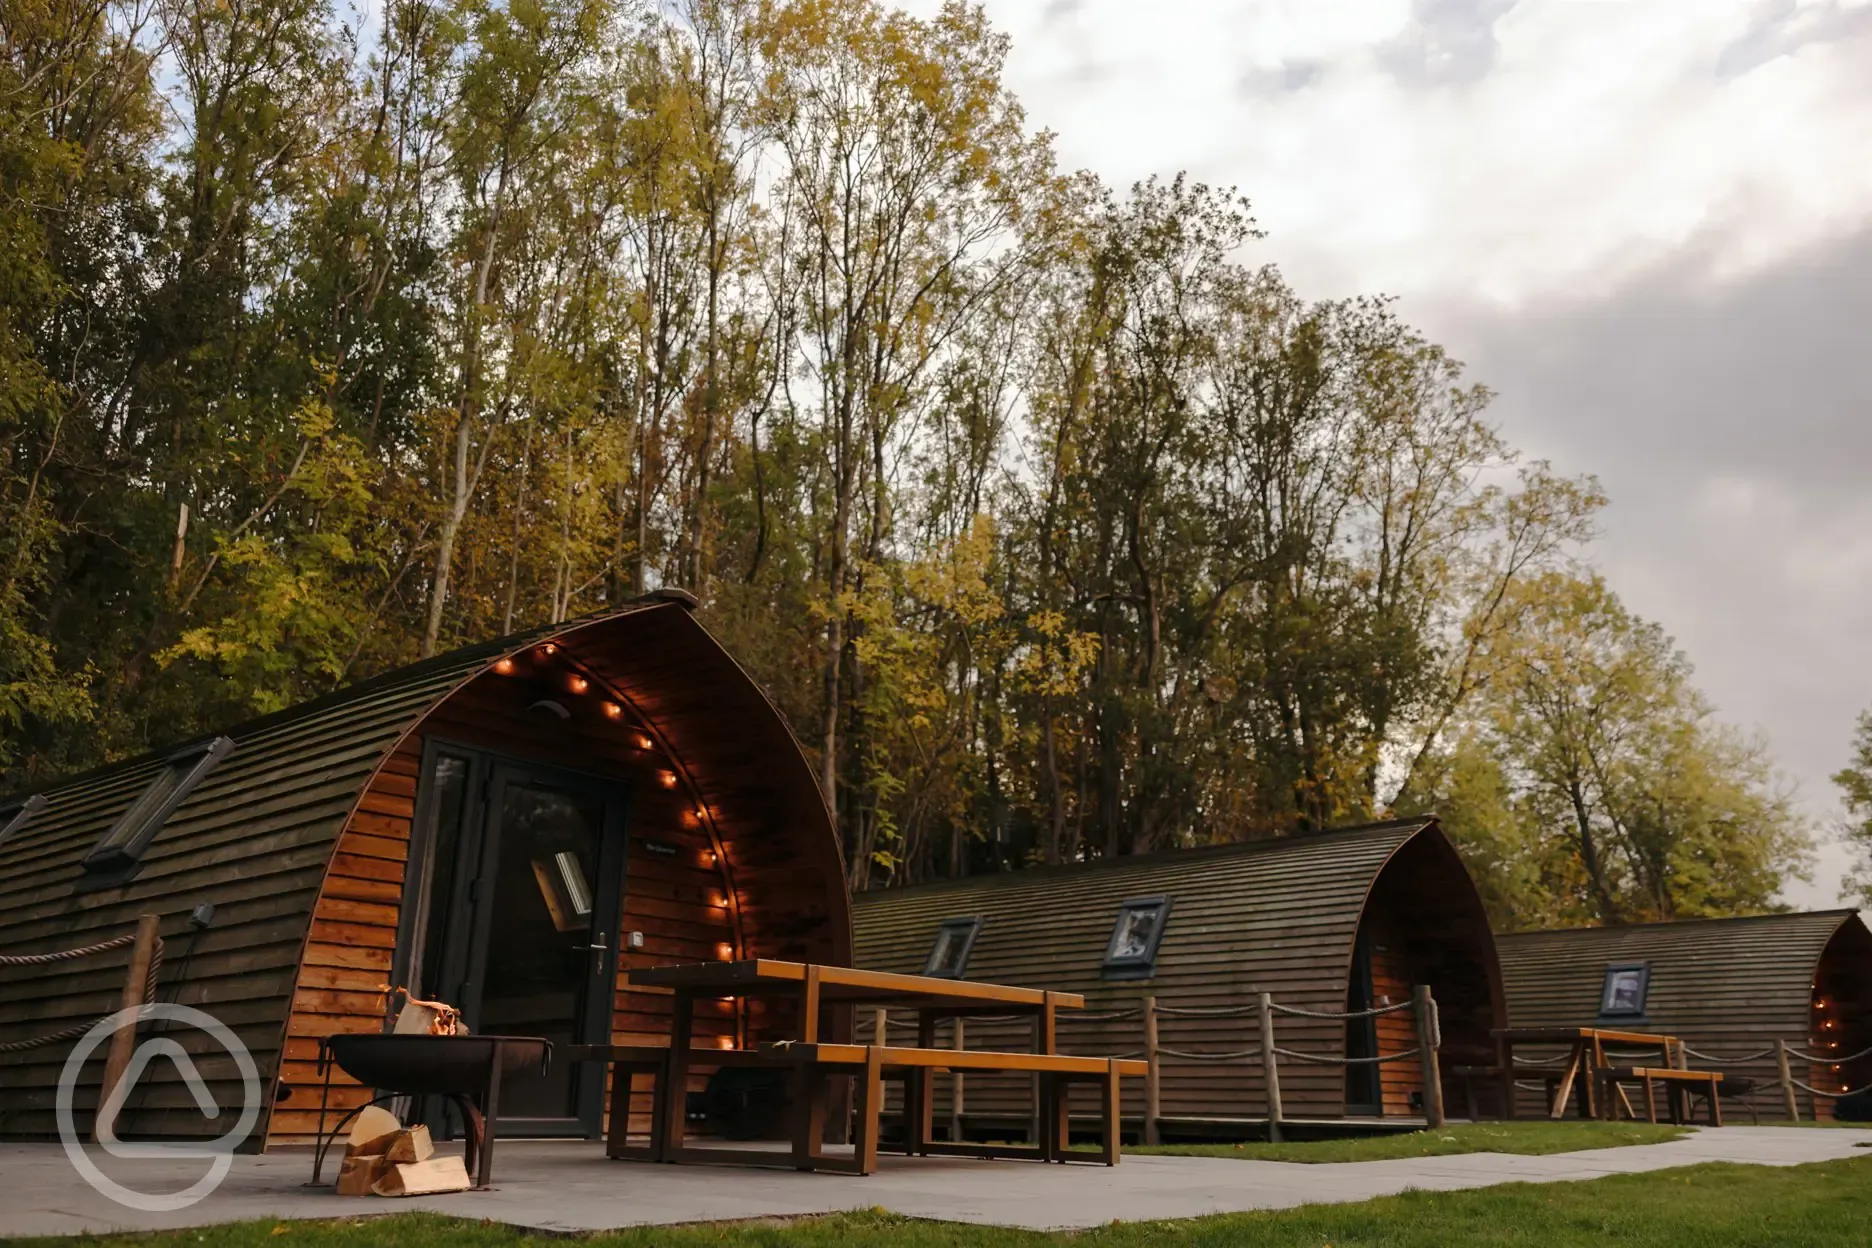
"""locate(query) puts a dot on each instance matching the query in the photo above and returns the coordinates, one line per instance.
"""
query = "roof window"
(955, 939)
(14, 816)
(1132, 952)
(121, 848)
(1623, 995)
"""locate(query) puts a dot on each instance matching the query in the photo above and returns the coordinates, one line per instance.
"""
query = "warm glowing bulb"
(717, 900)
(643, 743)
(612, 710)
(727, 1042)
(708, 857)
(504, 666)
(549, 649)
(724, 951)
(667, 779)
(577, 684)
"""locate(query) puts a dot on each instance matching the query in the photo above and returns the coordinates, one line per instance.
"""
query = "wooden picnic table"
(1585, 1060)
(815, 987)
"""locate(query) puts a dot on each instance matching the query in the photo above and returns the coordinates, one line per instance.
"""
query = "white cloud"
(1600, 135)
(1623, 212)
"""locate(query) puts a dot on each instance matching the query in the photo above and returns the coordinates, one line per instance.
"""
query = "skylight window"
(1132, 952)
(1623, 995)
(949, 956)
(121, 848)
(14, 816)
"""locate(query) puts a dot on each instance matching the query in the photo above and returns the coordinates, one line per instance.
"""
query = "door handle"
(596, 948)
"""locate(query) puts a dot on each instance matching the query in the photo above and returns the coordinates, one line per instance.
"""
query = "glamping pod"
(1728, 988)
(510, 827)
(1323, 922)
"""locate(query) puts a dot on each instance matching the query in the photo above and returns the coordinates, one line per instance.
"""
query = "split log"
(424, 1178)
(410, 1145)
(372, 1132)
(359, 1174)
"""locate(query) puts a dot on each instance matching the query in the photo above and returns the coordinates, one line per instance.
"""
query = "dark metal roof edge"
(1229, 849)
(1842, 914)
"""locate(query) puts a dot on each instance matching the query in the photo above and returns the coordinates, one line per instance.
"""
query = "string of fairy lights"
(695, 815)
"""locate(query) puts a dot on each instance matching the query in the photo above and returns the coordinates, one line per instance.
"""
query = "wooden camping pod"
(302, 840)
(1727, 987)
(1286, 916)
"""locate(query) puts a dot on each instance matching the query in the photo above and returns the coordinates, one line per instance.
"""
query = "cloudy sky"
(1646, 223)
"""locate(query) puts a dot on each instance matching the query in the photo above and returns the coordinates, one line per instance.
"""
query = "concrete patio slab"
(565, 1187)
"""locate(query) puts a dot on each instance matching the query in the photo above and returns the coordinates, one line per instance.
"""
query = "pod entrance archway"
(523, 875)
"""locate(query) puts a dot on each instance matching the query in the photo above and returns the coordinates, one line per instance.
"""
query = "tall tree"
(1654, 810)
(1855, 782)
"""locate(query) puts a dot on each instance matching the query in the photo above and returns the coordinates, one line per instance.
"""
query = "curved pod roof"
(1710, 975)
(1278, 916)
(256, 835)
(1728, 988)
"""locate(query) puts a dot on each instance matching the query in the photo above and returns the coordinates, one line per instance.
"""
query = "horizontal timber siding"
(1274, 916)
(1727, 987)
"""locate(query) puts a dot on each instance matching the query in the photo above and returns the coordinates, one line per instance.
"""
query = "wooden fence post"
(1427, 1041)
(123, 1043)
(956, 1090)
(1153, 1087)
(1270, 1071)
(1787, 1081)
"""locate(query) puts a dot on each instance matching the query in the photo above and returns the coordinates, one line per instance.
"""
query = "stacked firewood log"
(385, 1158)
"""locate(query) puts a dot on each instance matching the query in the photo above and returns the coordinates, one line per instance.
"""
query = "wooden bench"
(1057, 1072)
(871, 1065)
(1677, 1085)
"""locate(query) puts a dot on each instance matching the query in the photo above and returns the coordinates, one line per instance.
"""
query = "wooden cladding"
(717, 866)
(302, 837)
(1277, 916)
(1727, 987)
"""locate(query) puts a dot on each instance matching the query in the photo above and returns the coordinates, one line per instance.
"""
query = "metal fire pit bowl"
(466, 1069)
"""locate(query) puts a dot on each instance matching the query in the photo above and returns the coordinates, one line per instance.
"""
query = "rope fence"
(1324, 1059)
(1829, 1058)
(150, 958)
(67, 955)
(1266, 1054)
(1712, 1060)
(1185, 1055)
(139, 990)
(79, 1029)
(1293, 1011)
(1813, 1091)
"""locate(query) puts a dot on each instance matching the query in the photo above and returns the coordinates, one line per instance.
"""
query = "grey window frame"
(1139, 965)
(16, 814)
(119, 852)
(972, 925)
(1644, 989)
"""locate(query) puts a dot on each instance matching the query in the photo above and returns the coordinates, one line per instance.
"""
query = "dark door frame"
(473, 891)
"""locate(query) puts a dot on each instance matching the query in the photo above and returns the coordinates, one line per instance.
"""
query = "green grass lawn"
(1529, 1138)
(1695, 1207)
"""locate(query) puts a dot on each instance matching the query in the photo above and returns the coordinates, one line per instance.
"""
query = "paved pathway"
(571, 1187)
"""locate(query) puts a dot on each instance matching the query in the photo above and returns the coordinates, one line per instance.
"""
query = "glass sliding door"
(524, 865)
